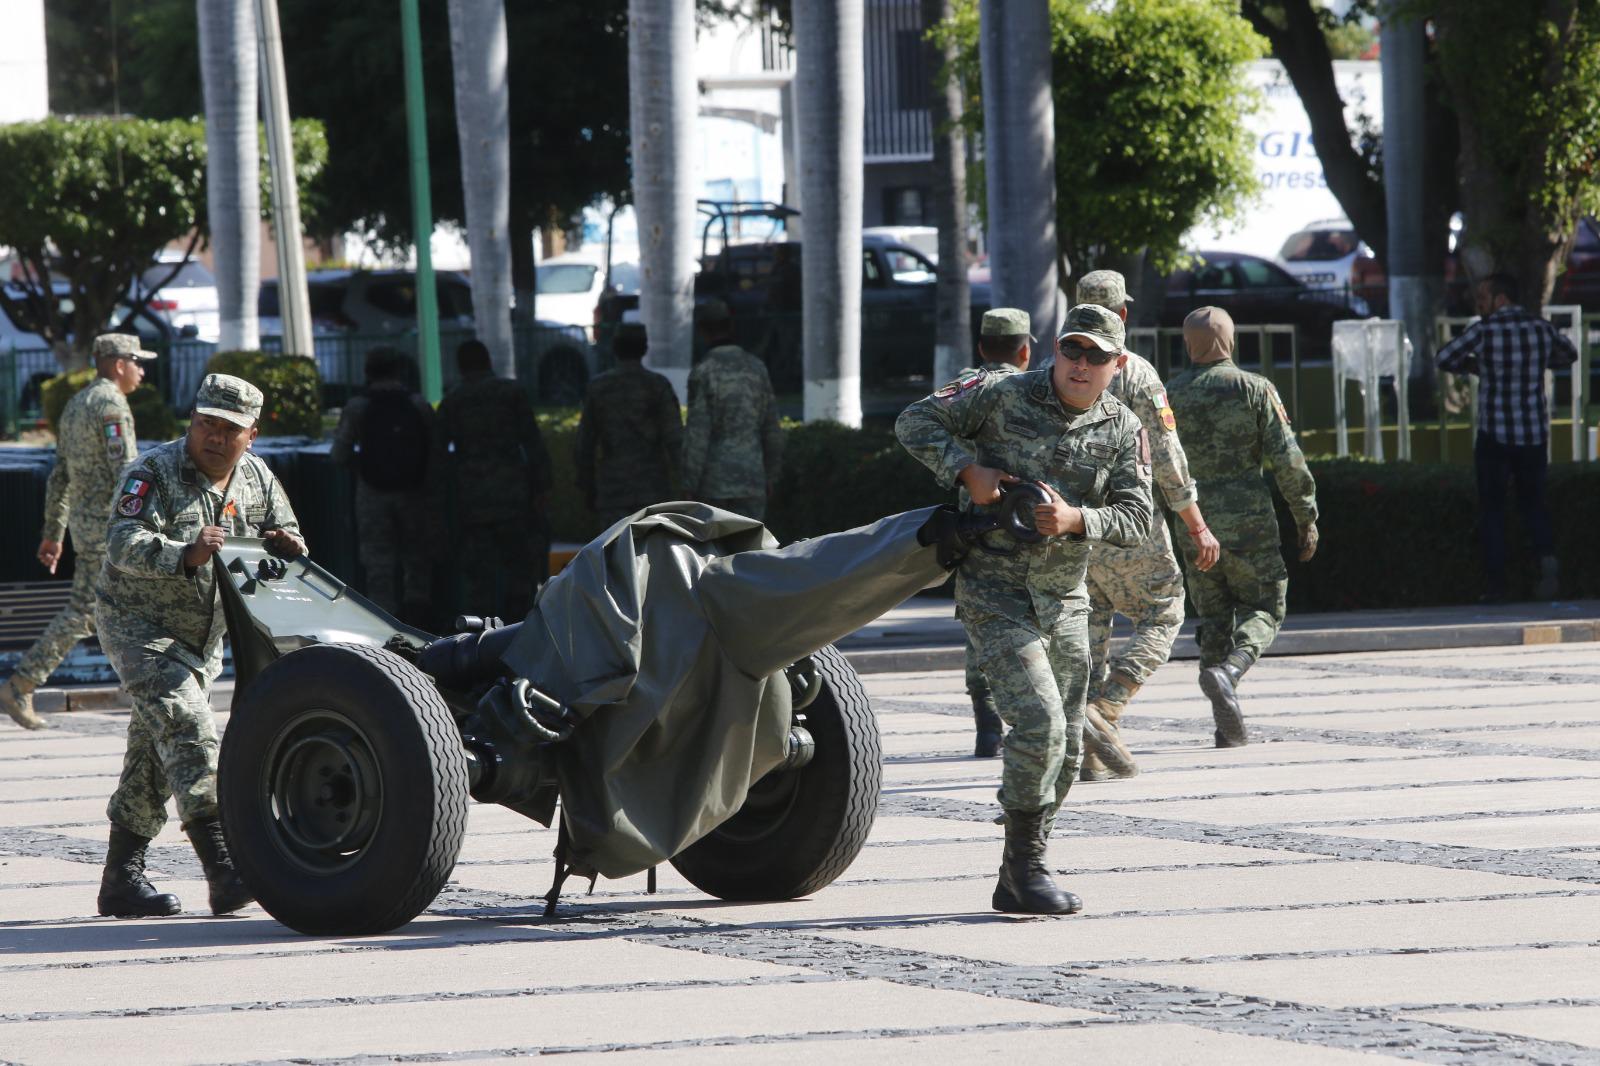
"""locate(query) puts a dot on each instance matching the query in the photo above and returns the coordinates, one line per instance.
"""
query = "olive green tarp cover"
(668, 634)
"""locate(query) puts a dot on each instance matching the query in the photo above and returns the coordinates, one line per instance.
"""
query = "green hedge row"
(1393, 534)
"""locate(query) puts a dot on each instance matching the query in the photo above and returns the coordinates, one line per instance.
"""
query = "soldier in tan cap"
(1142, 582)
(94, 442)
(1005, 340)
(161, 625)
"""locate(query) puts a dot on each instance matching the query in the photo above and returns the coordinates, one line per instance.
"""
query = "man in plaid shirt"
(1510, 349)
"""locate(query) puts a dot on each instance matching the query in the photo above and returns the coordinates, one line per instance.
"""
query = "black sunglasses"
(1093, 356)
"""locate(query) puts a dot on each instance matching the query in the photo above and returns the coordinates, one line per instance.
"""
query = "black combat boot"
(990, 731)
(1219, 684)
(1025, 886)
(228, 893)
(125, 892)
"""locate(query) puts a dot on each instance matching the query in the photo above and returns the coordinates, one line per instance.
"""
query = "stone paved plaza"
(1405, 864)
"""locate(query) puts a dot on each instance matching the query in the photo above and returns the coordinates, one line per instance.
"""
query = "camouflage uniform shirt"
(1139, 387)
(147, 598)
(630, 438)
(732, 445)
(1234, 422)
(488, 443)
(1017, 424)
(95, 442)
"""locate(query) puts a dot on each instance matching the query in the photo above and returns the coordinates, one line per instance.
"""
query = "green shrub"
(290, 385)
(1394, 535)
(153, 420)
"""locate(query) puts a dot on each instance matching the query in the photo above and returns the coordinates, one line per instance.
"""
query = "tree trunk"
(228, 69)
(1503, 183)
(524, 274)
(483, 125)
(952, 334)
(662, 101)
(1019, 159)
(830, 102)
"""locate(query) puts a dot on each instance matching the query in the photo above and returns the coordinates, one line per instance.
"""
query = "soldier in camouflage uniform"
(489, 451)
(1142, 583)
(1005, 341)
(732, 446)
(391, 531)
(1026, 612)
(1234, 422)
(161, 625)
(95, 441)
(630, 436)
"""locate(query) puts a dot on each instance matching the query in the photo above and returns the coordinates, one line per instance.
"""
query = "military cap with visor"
(121, 346)
(227, 397)
(1101, 326)
(1108, 288)
(1006, 322)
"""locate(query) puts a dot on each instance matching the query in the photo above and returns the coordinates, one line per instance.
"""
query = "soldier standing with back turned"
(161, 625)
(1026, 613)
(1005, 341)
(630, 436)
(95, 442)
(1143, 583)
(1234, 422)
(732, 444)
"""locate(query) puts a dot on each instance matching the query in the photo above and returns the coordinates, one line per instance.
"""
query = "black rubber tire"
(369, 724)
(801, 829)
(563, 377)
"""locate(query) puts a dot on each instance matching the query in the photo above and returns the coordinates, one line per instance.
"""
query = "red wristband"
(1197, 532)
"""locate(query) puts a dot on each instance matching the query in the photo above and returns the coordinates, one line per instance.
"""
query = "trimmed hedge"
(1394, 535)
(291, 388)
(152, 418)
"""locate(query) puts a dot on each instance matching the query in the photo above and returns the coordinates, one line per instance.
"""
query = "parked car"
(760, 282)
(353, 311)
(1257, 291)
(182, 290)
(568, 287)
(1580, 282)
(1322, 254)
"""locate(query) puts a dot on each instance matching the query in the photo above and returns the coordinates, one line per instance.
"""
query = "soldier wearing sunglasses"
(1027, 613)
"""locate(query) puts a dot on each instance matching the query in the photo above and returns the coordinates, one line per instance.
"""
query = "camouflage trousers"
(502, 564)
(1144, 585)
(749, 506)
(74, 622)
(1040, 676)
(172, 742)
(390, 536)
(1240, 603)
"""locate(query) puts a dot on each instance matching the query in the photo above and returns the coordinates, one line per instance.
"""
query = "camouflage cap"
(226, 396)
(1006, 322)
(712, 312)
(1104, 287)
(120, 346)
(1099, 324)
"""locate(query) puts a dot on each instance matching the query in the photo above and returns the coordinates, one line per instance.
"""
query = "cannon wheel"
(799, 829)
(343, 789)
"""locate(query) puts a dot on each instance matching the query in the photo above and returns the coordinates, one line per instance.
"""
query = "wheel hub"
(325, 791)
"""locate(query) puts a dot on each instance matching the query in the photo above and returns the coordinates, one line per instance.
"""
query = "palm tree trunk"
(661, 98)
(952, 324)
(1019, 147)
(483, 125)
(228, 69)
(830, 102)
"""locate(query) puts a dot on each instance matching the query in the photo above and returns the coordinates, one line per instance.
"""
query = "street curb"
(1289, 642)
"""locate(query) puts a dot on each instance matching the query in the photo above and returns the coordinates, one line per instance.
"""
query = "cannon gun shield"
(342, 781)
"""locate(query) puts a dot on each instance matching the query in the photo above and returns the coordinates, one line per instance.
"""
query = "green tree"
(568, 88)
(1530, 133)
(88, 202)
(1150, 141)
